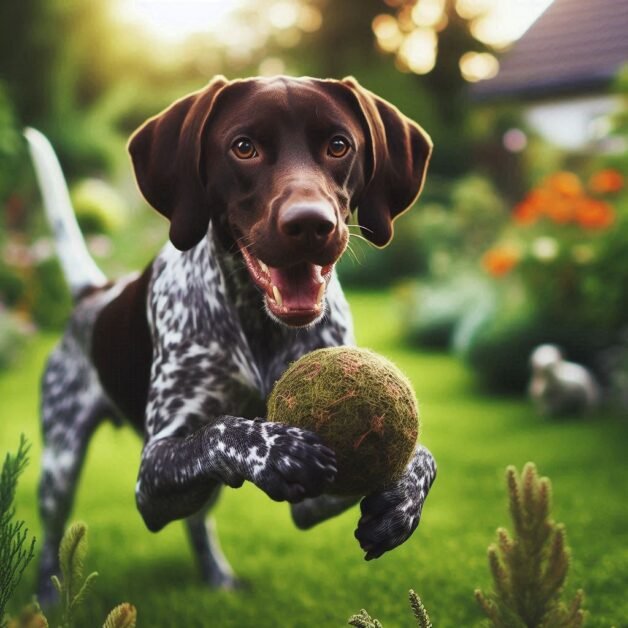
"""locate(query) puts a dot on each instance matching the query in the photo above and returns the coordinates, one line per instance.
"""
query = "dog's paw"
(389, 517)
(296, 464)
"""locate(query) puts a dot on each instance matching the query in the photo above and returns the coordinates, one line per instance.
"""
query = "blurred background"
(520, 237)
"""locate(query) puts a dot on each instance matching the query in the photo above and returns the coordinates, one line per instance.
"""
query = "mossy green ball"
(361, 405)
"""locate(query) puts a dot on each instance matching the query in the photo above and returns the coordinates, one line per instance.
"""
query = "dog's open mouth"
(294, 294)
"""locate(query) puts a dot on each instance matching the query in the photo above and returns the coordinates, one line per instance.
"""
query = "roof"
(574, 46)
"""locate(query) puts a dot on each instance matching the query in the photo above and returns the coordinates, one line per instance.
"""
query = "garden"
(516, 242)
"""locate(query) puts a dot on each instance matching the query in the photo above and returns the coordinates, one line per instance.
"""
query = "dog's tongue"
(298, 285)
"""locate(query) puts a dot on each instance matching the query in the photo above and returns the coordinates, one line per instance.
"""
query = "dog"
(258, 178)
(559, 387)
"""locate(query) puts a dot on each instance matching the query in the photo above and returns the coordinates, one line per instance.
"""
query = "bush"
(12, 286)
(366, 266)
(565, 249)
(614, 368)
(499, 350)
(12, 339)
(10, 145)
(433, 312)
(451, 223)
(50, 300)
(98, 206)
(500, 346)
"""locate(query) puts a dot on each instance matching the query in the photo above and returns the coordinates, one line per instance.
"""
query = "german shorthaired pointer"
(258, 178)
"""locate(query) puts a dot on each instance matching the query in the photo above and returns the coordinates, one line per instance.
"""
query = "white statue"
(559, 387)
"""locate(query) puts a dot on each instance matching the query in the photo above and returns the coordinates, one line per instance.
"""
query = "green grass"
(318, 578)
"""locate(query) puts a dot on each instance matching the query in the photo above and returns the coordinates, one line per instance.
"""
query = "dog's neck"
(240, 289)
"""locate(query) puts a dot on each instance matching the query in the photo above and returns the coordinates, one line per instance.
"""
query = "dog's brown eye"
(338, 147)
(243, 148)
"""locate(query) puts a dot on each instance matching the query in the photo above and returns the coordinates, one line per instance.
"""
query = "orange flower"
(526, 212)
(564, 183)
(594, 214)
(499, 261)
(561, 210)
(606, 181)
(531, 207)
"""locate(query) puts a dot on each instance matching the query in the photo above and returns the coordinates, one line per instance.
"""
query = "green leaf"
(122, 616)
(72, 552)
(419, 611)
(79, 598)
(364, 620)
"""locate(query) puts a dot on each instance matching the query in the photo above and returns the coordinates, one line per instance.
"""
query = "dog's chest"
(206, 317)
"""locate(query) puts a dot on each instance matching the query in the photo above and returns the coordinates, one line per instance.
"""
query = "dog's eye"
(338, 146)
(243, 148)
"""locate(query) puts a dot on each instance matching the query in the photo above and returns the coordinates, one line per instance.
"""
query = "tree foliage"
(16, 548)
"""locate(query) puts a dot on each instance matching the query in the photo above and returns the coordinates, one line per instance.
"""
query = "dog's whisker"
(352, 253)
(246, 245)
(361, 237)
(359, 226)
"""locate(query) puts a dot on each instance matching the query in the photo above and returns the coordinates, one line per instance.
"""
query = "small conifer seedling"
(529, 569)
(364, 620)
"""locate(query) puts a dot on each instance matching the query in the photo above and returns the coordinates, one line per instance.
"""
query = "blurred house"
(562, 68)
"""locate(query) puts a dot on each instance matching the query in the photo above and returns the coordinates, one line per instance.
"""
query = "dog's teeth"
(263, 266)
(321, 294)
(277, 295)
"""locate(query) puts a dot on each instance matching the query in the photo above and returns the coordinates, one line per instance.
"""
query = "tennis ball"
(361, 405)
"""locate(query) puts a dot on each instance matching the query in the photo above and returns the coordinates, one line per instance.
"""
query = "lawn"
(318, 578)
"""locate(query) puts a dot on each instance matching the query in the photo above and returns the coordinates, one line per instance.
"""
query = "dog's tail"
(79, 269)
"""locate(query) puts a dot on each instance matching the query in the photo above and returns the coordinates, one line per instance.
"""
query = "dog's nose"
(310, 223)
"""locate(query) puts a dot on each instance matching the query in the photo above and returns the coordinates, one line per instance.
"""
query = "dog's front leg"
(315, 510)
(389, 517)
(178, 474)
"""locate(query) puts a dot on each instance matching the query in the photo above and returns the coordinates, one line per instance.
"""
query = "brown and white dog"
(259, 178)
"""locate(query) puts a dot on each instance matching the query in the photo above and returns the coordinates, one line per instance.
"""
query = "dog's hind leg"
(72, 406)
(214, 568)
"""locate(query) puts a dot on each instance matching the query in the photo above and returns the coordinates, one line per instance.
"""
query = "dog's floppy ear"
(399, 153)
(166, 152)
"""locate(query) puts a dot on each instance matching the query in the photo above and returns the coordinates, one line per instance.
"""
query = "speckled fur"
(215, 349)
(216, 357)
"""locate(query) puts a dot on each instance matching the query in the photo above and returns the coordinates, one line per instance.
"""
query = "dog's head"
(545, 358)
(278, 165)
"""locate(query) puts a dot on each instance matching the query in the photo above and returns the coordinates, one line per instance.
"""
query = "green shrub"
(433, 312)
(10, 145)
(500, 346)
(499, 350)
(50, 300)
(17, 550)
(12, 339)
(12, 286)
(614, 368)
(452, 221)
(366, 266)
(98, 206)
(17, 547)
(565, 248)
